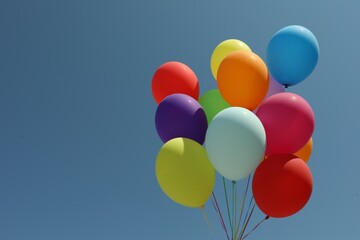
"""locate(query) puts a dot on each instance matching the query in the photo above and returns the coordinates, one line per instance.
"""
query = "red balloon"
(282, 185)
(289, 122)
(174, 77)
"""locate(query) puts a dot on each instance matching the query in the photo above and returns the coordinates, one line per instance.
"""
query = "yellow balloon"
(222, 50)
(184, 172)
(305, 152)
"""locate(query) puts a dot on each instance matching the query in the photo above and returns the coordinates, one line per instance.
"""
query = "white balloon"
(235, 142)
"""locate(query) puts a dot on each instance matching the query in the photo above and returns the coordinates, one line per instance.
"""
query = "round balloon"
(184, 172)
(243, 79)
(305, 152)
(174, 77)
(212, 103)
(274, 88)
(292, 54)
(288, 121)
(235, 142)
(282, 185)
(179, 115)
(222, 50)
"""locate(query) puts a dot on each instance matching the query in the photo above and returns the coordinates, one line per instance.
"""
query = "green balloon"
(212, 103)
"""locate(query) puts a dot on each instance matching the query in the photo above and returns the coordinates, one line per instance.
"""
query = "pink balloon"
(288, 121)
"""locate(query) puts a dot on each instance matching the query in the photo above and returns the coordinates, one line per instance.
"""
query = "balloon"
(184, 172)
(282, 185)
(179, 115)
(213, 103)
(305, 152)
(243, 79)
(222, 50)
(288, 121)
(174, 77)
(235, 142)
(292, 54)
(274, 88)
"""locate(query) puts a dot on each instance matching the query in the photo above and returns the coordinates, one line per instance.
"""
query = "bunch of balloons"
(249, 125)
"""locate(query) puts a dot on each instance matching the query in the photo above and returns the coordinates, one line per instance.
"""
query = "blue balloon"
(292, 54)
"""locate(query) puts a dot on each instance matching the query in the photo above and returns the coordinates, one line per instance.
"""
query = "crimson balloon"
(282, 185)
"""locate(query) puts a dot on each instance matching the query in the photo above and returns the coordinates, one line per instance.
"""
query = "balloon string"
(222, 225)
(234, 207)
(246, 223)
(206, 218)
(256, 226)
(221, 218)
(221, 222)
(246, 192)
(249, 206)
(243, 199)
(247, 212)
(227, 204)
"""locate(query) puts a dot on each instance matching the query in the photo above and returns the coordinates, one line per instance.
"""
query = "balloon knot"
(267, 217)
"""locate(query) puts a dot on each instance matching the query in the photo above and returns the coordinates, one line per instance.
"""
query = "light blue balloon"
(292, 54)
(235, 142)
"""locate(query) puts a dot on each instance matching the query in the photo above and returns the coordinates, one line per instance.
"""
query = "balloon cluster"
(248, 125)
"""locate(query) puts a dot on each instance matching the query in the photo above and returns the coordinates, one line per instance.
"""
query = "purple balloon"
(179, 115)
(274, 88)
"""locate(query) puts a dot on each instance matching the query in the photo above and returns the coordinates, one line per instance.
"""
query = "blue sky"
(77, 136)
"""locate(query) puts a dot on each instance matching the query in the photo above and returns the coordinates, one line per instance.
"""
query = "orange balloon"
(243, 79)
(305, 152)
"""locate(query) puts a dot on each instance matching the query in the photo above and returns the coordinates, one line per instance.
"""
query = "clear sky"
(77, 136)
